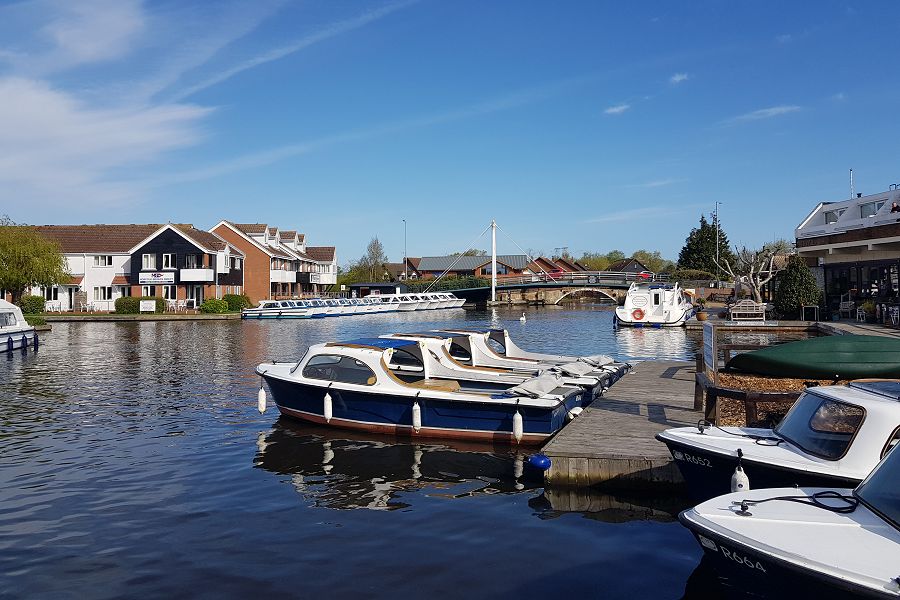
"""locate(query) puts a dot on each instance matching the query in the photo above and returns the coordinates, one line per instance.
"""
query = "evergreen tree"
(796, 287)
(699, 251)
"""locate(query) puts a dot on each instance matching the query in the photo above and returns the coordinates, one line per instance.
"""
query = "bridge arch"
(588, 291)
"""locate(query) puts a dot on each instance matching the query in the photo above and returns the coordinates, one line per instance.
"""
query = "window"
(878, 491)
(820, 426)
(103, 260)
(124, 291)
(870, 208)
(235, 262)
(892, 441)
(191, 262)
(103, 293)
(831, 216)
(148, 290)
(7, 319)
(345, 369)
(149, 262)
(50, 293)
(169, 292)
(168, 261)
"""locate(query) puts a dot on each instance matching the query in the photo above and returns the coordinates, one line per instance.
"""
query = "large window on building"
(51, 293)
(148, 262)
(169, 292)
(168, 261)
(103, 292)
(103, 260)
(870, 208)
(148, 290)
(831, 216)
(191, 261)
(124, 291)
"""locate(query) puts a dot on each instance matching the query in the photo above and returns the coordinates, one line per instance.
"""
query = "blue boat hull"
(392, 414)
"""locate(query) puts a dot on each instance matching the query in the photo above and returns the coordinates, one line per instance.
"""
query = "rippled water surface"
(134, 464)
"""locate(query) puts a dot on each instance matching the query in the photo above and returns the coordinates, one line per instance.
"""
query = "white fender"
(261, 400)
(577, 410)
(518, 426)
(326, 407)
(416, 417)
(739, 481)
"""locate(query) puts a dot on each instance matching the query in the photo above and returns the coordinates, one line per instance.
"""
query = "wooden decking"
(612, 441)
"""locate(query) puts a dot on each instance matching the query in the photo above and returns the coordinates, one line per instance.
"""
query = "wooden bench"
(747, 310)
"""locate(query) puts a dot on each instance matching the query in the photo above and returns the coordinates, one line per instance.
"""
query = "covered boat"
(831, 357)
(15, 332)
(654, 305)
(432, 355)
(832, 436)
(351, 385)
(822, 543)
(282, 309)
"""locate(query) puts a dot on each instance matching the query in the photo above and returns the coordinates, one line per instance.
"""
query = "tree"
(28, 259)
(373, 260)
(755, 268)
(699, 251)
(796, 286)
(471, 252)
(654, 261)
(594, 261)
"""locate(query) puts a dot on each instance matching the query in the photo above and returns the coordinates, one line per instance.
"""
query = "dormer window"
(870, 208)
(831, 216)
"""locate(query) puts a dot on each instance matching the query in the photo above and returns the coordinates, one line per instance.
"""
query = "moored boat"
(654, 305)
(829, 357)
(350, 385)
(279, 309)
(15, 332)
(832, 436)
(806, 542)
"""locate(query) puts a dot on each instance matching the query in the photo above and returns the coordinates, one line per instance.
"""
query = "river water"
(135, 464)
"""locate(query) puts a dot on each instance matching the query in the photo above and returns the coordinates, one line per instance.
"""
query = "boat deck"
(612, 442)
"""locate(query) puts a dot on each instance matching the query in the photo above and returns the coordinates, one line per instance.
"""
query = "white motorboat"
(832, 436)
(654, 305)
(806, 542)
(279, 309)
(350, 385)
(15, 332)
(433, 356)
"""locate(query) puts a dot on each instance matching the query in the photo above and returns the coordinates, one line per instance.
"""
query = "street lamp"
(716, 219)
(405, 274)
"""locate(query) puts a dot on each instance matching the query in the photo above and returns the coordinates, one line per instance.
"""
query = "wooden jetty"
(612, 442)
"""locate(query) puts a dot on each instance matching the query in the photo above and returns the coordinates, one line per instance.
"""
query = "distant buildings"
(456, 266)
(854, 246)
(279, 263)
(627, 265)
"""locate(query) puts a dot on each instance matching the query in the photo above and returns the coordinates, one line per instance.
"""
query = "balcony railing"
(281, 276)
(199, 275)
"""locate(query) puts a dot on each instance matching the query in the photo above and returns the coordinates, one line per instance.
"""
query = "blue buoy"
(539, 461)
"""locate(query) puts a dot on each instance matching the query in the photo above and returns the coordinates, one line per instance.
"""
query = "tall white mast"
(493, 261)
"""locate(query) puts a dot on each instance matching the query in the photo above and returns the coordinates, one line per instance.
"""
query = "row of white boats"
(311, 308)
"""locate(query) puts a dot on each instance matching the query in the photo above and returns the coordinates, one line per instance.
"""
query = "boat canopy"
(375, 343)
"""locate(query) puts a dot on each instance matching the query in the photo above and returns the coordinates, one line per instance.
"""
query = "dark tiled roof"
(252, 228)
(320, 253)
(288, 235)
(73, 239)
(209, 241)
(413, 262)
(569, 265)
(470, 263)
(625, 263)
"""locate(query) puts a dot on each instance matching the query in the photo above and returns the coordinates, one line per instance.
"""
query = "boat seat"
(437, 385)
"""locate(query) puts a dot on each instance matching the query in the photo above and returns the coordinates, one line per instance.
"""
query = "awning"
(75, 280)
(119, 280)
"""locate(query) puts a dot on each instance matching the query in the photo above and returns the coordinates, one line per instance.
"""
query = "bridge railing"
(580, 278)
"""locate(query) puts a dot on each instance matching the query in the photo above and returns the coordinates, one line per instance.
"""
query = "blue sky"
(587, 125)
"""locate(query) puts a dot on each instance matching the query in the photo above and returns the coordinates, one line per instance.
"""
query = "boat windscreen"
(888, 388)
(382, 343)
(821, 426)
(880, 492)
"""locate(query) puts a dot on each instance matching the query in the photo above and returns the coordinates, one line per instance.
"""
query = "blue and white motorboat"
(15, 332)
(352, 385)
(654, 305)
(280, 309)
(807, 542)
(832, 436)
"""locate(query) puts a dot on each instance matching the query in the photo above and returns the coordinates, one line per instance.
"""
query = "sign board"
(156, 277)
(315, 278)
(148, 305)
(710, 352)
(343, 288)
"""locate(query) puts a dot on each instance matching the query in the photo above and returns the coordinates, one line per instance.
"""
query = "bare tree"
(374, 258)
(756, 268)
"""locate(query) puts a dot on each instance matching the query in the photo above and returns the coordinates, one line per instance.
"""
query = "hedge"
(237, 302)
(131, 305)
(32, 305)
(212, 305)
(35, 320)
(691, 275)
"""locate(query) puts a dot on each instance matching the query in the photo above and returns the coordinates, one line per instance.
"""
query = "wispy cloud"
(655, 184)
(252, 160)
(839, 97)
(678, 78)
(322, 35)
(644, 213)
(617, 109)
(784, 38)
(765, 113)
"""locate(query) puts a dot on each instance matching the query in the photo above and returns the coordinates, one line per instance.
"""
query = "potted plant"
(869, 308)
(701, 314)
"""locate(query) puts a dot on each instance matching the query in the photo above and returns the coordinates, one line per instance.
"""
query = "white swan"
(522, 318)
